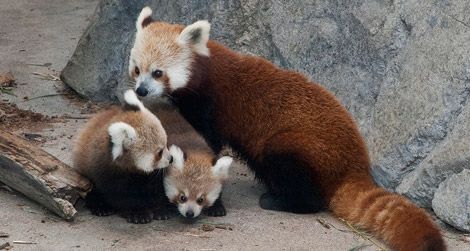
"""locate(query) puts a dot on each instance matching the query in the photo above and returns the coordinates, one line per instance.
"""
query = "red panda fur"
(300, 141)
(199, 157)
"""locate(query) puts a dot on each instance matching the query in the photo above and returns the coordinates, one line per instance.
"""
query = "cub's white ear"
(145, 17)
(221, 167)
(196, 36)
(122, 136)
(132, 102)
(178, 157)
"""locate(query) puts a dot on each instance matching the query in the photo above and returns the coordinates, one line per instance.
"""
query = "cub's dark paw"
(163, 213)
(102, 210)
(270, 201)
(217, 210)
(139, 217)
(97, 205)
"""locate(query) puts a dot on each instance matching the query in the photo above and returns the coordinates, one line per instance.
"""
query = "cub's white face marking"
(183, 208)
(145, 162)
(163, 48)
(122, 136)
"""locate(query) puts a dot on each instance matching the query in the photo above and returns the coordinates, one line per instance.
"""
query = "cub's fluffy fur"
(194, 183)
(296, 136)
(194, 180)
(120, 150)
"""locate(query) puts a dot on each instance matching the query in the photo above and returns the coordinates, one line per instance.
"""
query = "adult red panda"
(296, 136)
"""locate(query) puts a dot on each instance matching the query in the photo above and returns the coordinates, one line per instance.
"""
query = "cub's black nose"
(171, 159)
(190, 214)
(142, 91)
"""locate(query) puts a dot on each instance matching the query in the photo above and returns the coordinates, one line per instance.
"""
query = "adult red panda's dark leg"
(290, 184)
(97, 204)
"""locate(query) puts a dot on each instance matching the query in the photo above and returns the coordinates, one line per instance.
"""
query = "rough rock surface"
(452, 201)
(401, 67)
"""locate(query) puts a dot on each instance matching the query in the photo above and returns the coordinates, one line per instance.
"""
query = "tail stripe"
(391, 217)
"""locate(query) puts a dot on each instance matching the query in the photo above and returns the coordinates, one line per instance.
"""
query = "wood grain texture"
(40, 176)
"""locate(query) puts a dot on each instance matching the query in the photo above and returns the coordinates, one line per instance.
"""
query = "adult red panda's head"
(161, 59)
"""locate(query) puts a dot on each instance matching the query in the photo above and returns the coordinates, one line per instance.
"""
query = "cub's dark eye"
(160, 153)
(200, 200)
(157, 74)
(183, 198)
(137, 71)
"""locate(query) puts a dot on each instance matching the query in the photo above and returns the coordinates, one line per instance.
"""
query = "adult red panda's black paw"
(269, 201)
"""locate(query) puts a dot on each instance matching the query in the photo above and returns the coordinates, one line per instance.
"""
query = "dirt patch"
(86, 106)
(13, 118)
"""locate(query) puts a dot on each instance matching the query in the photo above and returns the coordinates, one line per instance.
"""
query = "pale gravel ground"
(46, 32)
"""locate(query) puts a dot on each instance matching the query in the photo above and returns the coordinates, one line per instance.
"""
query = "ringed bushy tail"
(389, 216)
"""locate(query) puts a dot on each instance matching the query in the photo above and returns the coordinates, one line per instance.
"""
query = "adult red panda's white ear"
(178, 157)
(196, 36)
(122, 136)
(221, 167)
(144, 19)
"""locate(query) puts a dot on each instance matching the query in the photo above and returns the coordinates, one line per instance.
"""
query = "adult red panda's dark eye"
(200, 200)
(183, 198)
(157, 74)
(160, 153)
(137, 71)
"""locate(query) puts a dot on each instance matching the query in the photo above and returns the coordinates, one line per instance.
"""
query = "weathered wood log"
(40, 176)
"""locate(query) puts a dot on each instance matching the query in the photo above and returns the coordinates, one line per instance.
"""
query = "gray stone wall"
(402, 68)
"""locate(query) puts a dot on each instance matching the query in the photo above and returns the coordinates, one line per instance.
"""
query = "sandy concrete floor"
(35, 33)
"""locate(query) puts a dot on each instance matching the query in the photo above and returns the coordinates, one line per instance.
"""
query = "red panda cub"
(295, 135)
(193, 182)
(122, 151)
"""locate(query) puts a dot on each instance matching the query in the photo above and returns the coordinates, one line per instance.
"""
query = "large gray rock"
(450, 156)
(401, 67)
(452, 201)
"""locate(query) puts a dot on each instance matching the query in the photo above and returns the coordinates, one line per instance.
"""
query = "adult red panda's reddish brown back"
(266, 109)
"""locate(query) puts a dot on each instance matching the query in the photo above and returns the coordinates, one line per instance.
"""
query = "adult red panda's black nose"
(142, 91)
(171, 159)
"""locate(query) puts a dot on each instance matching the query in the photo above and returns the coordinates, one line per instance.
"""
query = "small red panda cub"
(122, 150)
(194, 180)
(297, 138)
